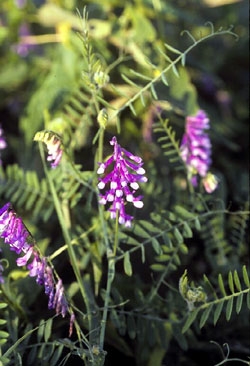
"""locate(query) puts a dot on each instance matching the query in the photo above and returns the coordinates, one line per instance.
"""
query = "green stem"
(67, 238)
(111, 275)
(100, 145)
(170, 66)
(116, 233)
(109, 252)
(160, 280)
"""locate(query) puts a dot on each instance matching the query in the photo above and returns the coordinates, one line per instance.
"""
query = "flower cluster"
(3, 143)
(196, 151)
(15, 234)
(54, 146)
(123, 182)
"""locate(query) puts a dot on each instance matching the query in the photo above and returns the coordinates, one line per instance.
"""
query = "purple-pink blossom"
(196, 151)
(22, 48)
(123, 182)
(54, 146)
(16, 235)
(54, 152)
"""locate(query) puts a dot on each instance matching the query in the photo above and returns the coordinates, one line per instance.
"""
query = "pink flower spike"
(196, 150)
(123, 182)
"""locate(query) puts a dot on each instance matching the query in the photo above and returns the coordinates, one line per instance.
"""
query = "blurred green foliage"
(45, 83)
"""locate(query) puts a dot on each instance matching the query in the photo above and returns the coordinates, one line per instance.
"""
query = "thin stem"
(232, 360)
(67, 238)
(77, 173)
(100, 145)
(41, 39)
(109, 252)
(116, 233)
(166, 70)
(158, 9)
(74, 242)
(178, 225)
(162, 276)
(111, 275)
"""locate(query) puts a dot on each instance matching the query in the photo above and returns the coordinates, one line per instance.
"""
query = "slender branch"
(168, 68)
(111, 275)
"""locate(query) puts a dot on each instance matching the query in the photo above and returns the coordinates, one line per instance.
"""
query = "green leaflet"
(168, 142)
(229, 308)
(221, 285)
(127, 264)
(217, 312)
(239, 303)
(48, 329)
(191, 318)
(245, 276)
(205, 315)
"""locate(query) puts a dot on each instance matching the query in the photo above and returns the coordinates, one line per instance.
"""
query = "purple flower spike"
(13, 230)
(196, 150)
(15, 234)
(123, 182)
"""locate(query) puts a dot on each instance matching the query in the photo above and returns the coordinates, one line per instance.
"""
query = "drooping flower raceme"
(15, 234)
(123, 182)
(54, 146)
(196, 151)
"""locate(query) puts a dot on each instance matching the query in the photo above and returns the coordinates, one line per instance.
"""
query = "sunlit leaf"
(191, 318)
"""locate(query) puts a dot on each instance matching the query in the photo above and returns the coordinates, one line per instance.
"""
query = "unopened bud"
(210, 182)
(102, 118)
(100, 79)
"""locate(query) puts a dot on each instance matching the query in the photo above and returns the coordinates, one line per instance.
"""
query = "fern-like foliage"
(147, 329)
(162, 76)
(40, 353)
(160, 242)
(231, 300)
(44, 350)
(3, 334)
(165, 243)
(169, 143)
(222, 231)
(25, 189)
(214, 237)
(238, 224)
